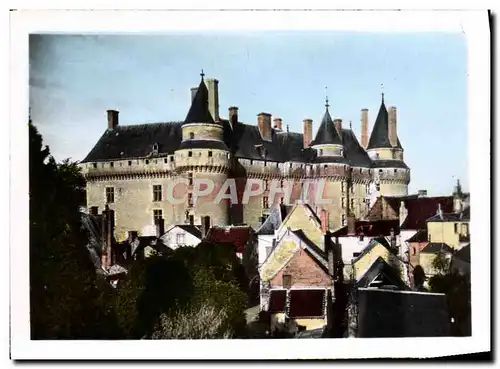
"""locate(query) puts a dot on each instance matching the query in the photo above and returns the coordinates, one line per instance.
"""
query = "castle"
(131, 167)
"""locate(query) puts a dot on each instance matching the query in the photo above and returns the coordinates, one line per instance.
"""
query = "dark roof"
(195, 231)
(203, 144)
(380, 133)
(136, 141)
(277, 301)
(463, 254)
(277, 214)
(379, 266)
(374, 228)
(306, 303)
(435, 247)
(420, 236)
(389, 164)
(327, 133)
(237, 235)
(355, 155)
(419, 208)
(199, 112)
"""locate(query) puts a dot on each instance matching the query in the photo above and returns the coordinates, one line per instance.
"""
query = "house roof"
(380, 133)
(374, 242)
(277, 214)
(380, 266)
(463, 254)
(236, 235)
(191, 229)
(436, 247)
(199, 111)
(327, 133)
(420, 236)
(373, 228)
(419, 208)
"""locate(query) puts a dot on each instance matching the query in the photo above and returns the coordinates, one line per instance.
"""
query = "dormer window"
(191, 135)
(155, 148)
(377, 156)
(320, 152)
(341, 152)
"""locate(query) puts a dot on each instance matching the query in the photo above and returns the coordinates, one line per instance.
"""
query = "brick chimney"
(364, 128)
(278, 123)
(338, 126)
(264, 123)
(351, 224)
(160, 227)
(324, 220)
(393, 133)
(233, 115)
(308, 127)
(112, 119)
(194, 90)
(213, 97)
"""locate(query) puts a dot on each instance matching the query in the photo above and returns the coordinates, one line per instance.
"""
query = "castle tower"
(390, 173)
(333, 173)
(202, 161)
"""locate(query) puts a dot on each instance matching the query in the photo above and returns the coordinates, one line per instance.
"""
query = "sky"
(74, 79)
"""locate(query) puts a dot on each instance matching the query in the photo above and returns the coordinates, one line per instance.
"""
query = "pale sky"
(74, 79)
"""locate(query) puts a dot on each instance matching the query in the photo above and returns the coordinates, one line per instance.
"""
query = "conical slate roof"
(199, 112)
(327, 134)
(380, 133)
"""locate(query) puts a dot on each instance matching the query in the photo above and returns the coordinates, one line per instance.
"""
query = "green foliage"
(441, 263)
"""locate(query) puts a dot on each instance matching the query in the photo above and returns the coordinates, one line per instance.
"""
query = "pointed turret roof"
(199, 112)
(380, 133)
(327, 134)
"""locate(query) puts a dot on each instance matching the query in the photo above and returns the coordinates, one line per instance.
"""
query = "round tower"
(202, 161)
(391, 175)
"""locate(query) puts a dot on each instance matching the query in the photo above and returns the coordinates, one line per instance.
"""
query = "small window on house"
(190, 200)
(341, 152)
(147, 161)
(191, 135)
(111, 164)
(251, 162)
(172, 158)
(265, 202)
(210, 154)
(326, 166)
(290, 165)
(265, 163)
(380, 170)
(190, 153)
(155, 147)
(456, 227)
(110, 195)
(157, 215)
(157, 196)
(395, 170)
(94, 165)
(190, 178)
(165, 160)
(130, 163)
(180, 239)
(287, 281)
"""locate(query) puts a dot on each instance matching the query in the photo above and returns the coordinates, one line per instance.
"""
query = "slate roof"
(450, 217)
(463, 254)
(380, 133)
(238, 236)
(380, 266)
(435, 247)
(199, 112)
(327, 133)
(420, 236)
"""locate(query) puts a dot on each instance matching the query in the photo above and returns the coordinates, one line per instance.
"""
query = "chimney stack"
(324, 220)
(160, 227)
(393, 133)
(112, 119)
(264, 123)
(205, 226)
(278, 123)
(422, 193)
(338, 126)
(194, 90)
(233, 115)
(364, 128)
(308, 127)
(213, 97)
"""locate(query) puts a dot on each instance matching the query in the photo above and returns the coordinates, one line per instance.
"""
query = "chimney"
(422, 193)
(324, 220)
(112, 119)
(194, 90)
(351, 225)
(160, 227)
(403, 213)
(132, 235)
(205, 226)
(439, 211)
(233, 115)
(308, 127)
(264, 123)
(393, 133)
(278, 123)
(338, 126)
(213, 97)
(364, 128)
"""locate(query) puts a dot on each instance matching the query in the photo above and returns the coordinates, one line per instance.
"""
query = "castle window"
(130, 163)
(191, 135)
(287, 281)
(320, 152)
(190, 200)
(190, 153)
(251, 162)
(380, 170)
(110, 195)
(155, 148)
(94, 165)
(326, 166)
(172, 158)
(180, 239)
(343, 202)
(157, 215)
(190, 178)
(395, 170)
(111, 164)
(265, 202)
(157, 195)
(290, 165)
(165, 160)
(147, 161)
(210, 154)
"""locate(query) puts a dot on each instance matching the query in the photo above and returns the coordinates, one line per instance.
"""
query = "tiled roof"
(327, 133)
(420, 236)
(237, 235)
(435, 247)
(199, 112)
(306, 303)
(380, 133)
(419, 208)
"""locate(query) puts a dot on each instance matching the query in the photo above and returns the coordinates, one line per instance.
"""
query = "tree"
(67, 299)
